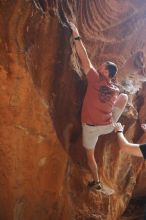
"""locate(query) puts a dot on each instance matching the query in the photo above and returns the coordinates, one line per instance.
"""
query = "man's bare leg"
(92, 164)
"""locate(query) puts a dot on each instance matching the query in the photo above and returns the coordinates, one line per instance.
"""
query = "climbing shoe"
(95, 184)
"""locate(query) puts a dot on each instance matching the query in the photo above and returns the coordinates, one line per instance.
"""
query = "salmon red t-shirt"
(99, 99)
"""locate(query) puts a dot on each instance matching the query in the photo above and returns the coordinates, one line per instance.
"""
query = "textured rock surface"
(43, 170)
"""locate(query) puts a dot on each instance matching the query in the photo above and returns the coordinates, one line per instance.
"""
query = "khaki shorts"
(91, 133)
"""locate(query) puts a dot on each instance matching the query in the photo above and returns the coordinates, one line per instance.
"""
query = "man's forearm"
(81, 51)
(121, 139)
(127, 147)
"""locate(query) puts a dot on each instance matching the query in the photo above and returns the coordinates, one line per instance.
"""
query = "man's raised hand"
(74, 29)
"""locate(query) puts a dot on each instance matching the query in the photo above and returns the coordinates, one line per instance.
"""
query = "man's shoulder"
(92, 72)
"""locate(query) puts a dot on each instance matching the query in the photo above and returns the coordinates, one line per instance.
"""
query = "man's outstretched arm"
(125, 146)
(81, 50)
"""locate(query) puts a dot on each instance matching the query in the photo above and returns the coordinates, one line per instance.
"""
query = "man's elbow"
(87, 67)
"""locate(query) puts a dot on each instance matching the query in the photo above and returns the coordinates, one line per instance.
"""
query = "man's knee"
(122, 100)
(123, 97)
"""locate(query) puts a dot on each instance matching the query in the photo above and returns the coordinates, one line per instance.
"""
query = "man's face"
(103, 70)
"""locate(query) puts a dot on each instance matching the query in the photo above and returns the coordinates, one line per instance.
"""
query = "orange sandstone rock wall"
(43, 170)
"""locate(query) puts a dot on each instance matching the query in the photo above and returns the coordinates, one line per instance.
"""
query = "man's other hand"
(118, 127)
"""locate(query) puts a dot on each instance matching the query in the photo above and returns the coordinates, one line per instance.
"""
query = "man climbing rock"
(102, 105)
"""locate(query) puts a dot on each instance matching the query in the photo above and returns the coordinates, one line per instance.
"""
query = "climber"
(130, 148)
(102, 105)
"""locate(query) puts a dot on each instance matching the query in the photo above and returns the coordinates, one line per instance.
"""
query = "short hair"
(112, 68)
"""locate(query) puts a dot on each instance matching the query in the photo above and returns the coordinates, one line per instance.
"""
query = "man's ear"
(107, 72)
